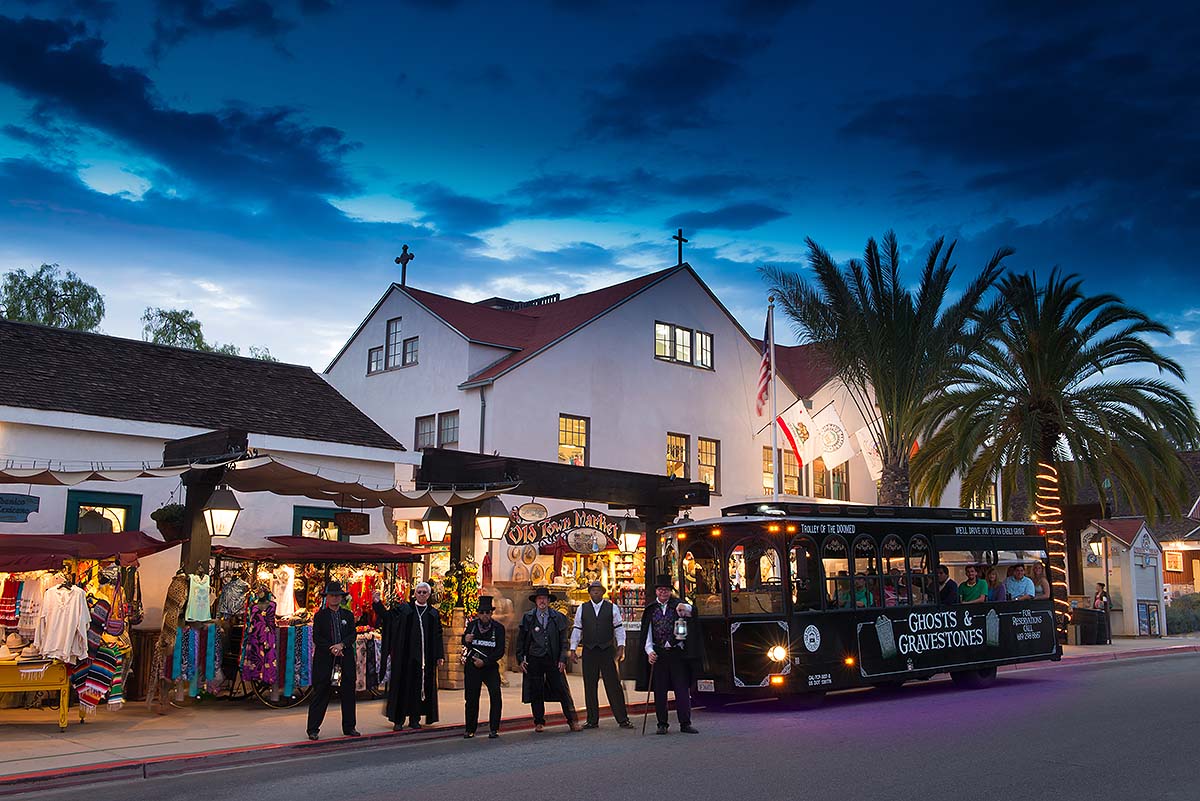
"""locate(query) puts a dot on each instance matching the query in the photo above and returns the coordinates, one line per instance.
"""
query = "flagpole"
(777, 480)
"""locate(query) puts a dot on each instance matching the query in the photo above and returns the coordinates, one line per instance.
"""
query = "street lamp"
(221, 512)
(492, 518)
(436, 523)
(632, 530)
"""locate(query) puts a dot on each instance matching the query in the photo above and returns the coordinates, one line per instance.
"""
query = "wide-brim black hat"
(543, 591)
(485, 604)
(334, 588)
(663, 580)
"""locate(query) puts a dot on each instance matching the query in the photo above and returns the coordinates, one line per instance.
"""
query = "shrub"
(1183, 615)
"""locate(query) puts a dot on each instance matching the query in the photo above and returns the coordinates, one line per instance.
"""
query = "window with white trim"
(392, 344)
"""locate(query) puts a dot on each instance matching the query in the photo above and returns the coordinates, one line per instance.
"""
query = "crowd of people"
(979, 584)
(546, 642)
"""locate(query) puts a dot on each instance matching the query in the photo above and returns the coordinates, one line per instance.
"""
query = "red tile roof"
(1123, 528)
(528, 331)
(803, 367)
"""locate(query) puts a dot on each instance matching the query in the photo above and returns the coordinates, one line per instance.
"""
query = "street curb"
(1084, 659)
(176, 764)
(154, 767)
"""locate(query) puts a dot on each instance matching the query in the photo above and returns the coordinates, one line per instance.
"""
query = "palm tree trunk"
(1050, 515)
(894, 483)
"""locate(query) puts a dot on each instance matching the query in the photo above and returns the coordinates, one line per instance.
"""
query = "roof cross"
(679, 238)
(403, 259)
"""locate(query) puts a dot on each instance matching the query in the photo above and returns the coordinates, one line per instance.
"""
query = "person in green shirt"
(974, 590)
(862, 596)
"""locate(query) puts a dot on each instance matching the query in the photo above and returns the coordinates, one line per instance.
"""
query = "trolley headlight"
(777, 653)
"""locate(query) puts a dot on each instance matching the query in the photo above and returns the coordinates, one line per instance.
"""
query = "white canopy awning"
(271, 474)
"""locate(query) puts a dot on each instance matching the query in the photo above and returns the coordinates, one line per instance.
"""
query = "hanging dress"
(199, 606)
(283, 587)
(259, 661)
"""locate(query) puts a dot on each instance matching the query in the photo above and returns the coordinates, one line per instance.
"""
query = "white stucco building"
(652, 375)
(86, 401)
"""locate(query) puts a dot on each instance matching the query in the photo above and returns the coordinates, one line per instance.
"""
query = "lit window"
(839, 479)
(708, 452)
(426, 430)
(704, 355)
(791, 473)
(768, 472)
(820, 478)
(683, 345)
(448, 428)
(662, 341)
(677, 455)
(375, 360)
(673, 343)
(392, 343)
(573, 440)
(409, 352)
(102, 512)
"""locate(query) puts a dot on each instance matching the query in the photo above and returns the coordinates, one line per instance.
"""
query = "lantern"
(632, 530)
(492, 518)
(436, 523)
(221, 512)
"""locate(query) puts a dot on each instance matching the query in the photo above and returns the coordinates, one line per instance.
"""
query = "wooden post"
(211, 448)
(462, 532)
(654, 518)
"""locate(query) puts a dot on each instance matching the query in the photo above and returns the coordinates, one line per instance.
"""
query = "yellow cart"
(46, 674)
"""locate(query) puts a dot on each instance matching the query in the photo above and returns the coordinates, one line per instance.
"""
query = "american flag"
(764, 372)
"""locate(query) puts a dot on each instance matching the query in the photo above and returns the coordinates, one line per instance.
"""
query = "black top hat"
(334, 588)
(485, 604)
(543, 591)
(663, 580)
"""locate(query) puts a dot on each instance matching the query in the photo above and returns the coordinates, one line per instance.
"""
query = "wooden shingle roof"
(55, 369)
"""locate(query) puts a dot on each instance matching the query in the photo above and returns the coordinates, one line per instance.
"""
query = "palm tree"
(1041, 404)
(887, 344)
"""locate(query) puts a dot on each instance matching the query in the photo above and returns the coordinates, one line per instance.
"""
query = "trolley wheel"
(262, 691)
(985, 677)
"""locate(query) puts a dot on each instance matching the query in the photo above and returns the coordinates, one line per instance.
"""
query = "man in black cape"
(542, 641)
(667, 664)
(412, 647)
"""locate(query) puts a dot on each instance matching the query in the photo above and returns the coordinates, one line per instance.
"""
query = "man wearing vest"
(598, 627)
(668, 661)
(483, 648)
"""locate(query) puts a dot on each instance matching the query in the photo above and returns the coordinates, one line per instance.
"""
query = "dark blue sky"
(263, 162)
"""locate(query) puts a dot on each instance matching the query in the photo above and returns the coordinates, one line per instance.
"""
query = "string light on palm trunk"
(1049, 514)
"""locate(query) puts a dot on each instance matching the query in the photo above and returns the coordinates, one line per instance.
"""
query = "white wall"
(263, 515)
(395, 397)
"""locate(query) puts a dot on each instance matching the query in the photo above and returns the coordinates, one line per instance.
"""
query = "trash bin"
(1086, 620)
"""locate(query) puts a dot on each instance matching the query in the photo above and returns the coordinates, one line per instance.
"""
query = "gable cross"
(679, 238)
(403, 259)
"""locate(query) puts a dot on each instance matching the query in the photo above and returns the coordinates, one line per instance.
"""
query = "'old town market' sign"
(584, 530)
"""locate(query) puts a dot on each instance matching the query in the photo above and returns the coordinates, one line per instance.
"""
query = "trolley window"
(865, 567)
(755, 578)
(702, 577)
(835, 564)
(806, 575)
(920, 572)
(895, 588)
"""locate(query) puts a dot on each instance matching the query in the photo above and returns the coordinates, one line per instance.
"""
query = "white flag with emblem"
(798, 429)
(831, 440)
(870, 451)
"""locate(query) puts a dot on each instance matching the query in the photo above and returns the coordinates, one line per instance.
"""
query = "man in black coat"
(667, 663)
(483, 648)
(333, 644)
(412, 646)
(542, 642)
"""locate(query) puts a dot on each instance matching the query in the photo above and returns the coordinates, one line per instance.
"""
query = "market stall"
(67, 602)
(244, 628)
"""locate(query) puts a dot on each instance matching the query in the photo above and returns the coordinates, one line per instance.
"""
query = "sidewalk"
(137, 742)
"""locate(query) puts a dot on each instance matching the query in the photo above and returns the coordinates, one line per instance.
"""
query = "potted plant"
(171, 520)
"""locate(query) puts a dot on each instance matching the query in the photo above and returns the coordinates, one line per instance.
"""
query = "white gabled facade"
(605, 370)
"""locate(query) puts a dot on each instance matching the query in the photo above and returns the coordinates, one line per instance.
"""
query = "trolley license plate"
(705, 686)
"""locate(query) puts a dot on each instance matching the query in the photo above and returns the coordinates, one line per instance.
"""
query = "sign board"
(943, 639)
(585, 530)
(18, 508)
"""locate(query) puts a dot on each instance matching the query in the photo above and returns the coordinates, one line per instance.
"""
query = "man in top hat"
(669, 661)
(412, 644)
(542, 641)
(483, 648)
(333, 643)
(598, 627)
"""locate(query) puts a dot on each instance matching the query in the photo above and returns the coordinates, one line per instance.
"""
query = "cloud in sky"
(734, 217)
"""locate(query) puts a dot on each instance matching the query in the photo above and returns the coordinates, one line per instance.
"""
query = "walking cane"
(646, 706)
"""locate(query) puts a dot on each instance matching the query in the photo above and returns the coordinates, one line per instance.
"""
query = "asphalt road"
(1112, 730)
